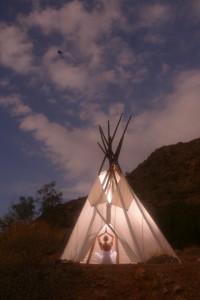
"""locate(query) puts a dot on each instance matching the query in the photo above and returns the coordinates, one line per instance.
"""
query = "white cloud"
(74, 22)
(95, 115)
(15, 105)
(154, 38)
(71, 150)
(95, 58)
(165, 68)
(80, 67)
(154, 14)
(95, 54)
(64, 74)
(195, 7)
(15, 49)
(75, 151)
(4, 83)
(84, 65)
(177, 120)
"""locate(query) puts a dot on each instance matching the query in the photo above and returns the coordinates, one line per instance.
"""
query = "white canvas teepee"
(113, 207)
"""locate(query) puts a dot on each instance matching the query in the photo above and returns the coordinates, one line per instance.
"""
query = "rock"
(140, 273)
(177, 289)
(180, 298)
(166, 291)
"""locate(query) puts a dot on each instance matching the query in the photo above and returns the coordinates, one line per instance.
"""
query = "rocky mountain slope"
(170, 173)
(168, 184)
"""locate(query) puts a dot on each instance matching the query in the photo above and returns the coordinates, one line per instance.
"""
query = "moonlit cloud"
(74, 150)
(4, 83)
(15, 49)
(70, 150)
(83, 67)
(155, 14)
(116, 57)
(17, 108)
(177, 120)
(73, 19)
(64, 74)
(195, 7)
(154, 38)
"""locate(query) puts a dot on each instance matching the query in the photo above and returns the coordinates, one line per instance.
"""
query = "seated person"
(108, 256)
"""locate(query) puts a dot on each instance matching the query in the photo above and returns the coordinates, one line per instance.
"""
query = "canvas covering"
(137, 237)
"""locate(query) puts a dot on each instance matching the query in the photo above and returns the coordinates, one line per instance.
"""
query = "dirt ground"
(141, 281)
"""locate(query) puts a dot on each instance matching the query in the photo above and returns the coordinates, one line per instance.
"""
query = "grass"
(27, 262)
(29, 243)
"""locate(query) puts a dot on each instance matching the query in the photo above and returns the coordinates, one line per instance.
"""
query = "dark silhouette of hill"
(71, 211)
(170, 173)
(168, 184)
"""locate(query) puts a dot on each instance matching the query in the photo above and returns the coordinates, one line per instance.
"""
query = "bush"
(162, 259)
(190, 254)
(29, 243)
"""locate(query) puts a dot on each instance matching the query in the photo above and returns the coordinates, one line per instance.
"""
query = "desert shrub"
(162, 259)
(190, 254)
(193, 250)
(29, 243)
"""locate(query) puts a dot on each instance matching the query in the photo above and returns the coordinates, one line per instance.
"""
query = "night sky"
(67, 66)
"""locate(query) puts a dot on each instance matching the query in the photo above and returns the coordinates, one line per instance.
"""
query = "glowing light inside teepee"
(109, 196)
(107, 185)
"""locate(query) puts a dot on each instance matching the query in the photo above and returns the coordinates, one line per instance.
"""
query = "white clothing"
(106, 257)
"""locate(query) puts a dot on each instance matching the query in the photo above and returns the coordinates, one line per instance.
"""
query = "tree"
(48, 197)
(50, 201)
(25, 209)
(21, 212)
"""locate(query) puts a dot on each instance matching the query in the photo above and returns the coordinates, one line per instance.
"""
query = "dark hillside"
(168, 184)
(72, 209)
(171, 173)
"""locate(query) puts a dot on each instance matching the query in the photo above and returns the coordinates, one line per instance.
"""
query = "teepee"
(113, 207)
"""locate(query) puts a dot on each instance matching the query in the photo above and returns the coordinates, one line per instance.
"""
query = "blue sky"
(131, 57)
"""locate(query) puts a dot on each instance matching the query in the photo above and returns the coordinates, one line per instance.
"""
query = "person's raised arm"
(99, 241)
(112, 237)
(101, 235)
(110, 234)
